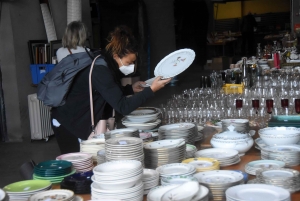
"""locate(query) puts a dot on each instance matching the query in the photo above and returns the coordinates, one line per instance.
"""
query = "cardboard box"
(218, 63)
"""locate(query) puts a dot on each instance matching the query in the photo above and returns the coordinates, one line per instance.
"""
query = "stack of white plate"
(122, 132)
(22, 190)
(82, 162)
(290, 154)
(92, 147)
(163, 152)
(253, 166)
(199, 135)
(176, 180)
(57, 194)
(150, 180)
(190, 151)
(187, 131)
(226, 157)
(281, 177)
(143, 118)
(124, 148)
(118, 179)
(257, 192)
(203, 164)
(176, 169)
(3, 195)
(186, 191)
(218, 181)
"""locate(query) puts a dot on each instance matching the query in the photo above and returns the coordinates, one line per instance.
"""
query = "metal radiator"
(39, 115)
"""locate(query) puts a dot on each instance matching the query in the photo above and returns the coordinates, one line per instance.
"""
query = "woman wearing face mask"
(73, 120)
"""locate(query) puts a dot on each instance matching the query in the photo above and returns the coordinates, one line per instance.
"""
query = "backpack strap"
(91, 94)
(89, 53)
(70, 51)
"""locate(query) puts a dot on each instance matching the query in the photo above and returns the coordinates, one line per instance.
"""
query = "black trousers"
(67, 142)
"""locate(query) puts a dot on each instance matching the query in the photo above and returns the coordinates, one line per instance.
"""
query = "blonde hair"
(121, 42)
(75, 35)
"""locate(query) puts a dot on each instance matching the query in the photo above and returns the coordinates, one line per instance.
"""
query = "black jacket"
(75, 115)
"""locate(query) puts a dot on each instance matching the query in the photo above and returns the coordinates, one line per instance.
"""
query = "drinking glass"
(269, 105)
(297, 106)
(239, 103)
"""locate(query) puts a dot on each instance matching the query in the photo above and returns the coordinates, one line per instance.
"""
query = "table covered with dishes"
(204, 144)
(253, 155)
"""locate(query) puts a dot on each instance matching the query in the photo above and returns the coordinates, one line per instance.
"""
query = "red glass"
(269, 105)
(255, 104)
(297, 106)
(238, 103)
(284, 103)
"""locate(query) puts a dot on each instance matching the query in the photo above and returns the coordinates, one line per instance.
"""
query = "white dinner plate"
(174, 63)
(257, 192)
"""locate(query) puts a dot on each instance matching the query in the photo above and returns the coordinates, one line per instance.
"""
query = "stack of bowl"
(118, 179)
(82, 162)
(144, 118)
(122, 132)
(289, 154)
(187, 131)
(280, 135)
(79, 183)
(203, 164)
(164, 152)
(53, 170)
(22, 190)
(218, 181)
(124, 148)
(150, 180)
(92, 146)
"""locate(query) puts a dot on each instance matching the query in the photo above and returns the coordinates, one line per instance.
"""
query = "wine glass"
(297, 105)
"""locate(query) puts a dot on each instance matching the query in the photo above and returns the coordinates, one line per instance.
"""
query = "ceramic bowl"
(232, 140)
(280, 135)
(117, 184)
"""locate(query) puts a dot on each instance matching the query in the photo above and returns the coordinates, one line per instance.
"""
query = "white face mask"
(126, 70)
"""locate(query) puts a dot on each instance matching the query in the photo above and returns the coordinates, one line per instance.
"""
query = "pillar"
(160, 15)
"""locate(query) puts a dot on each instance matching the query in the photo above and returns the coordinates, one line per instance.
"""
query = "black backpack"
(54, 86)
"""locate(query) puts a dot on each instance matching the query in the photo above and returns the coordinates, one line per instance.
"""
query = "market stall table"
(251, 155)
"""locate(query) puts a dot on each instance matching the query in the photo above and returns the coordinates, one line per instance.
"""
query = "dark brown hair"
(121, 42)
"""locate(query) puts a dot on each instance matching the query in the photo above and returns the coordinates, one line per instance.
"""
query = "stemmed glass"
(270, 100)
(255, 96)
(297, 105)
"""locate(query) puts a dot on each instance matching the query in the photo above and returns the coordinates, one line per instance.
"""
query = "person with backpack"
(73, 40)
(72, 120)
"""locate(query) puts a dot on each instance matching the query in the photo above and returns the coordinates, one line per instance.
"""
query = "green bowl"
(26, 186)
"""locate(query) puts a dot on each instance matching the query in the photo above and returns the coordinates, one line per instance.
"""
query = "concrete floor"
(13, 155)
